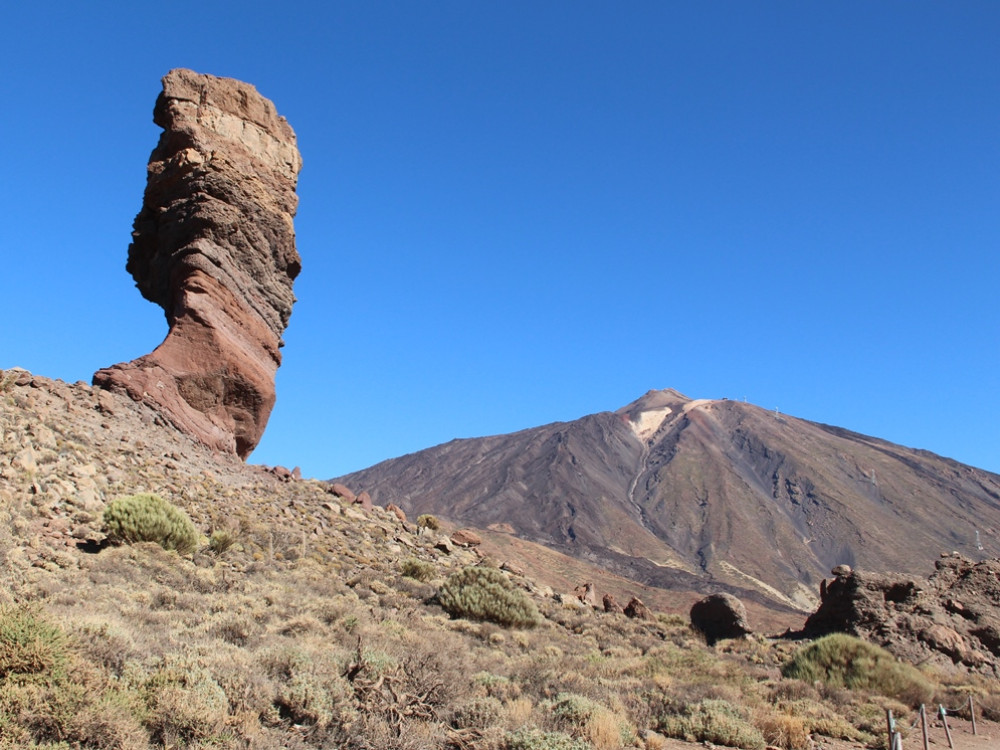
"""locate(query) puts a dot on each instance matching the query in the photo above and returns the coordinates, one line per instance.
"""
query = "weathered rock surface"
(214, 246)
(637, 610)
(720, 616)
(951, 618)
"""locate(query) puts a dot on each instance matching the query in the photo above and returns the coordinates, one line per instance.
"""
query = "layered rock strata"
(214, 245)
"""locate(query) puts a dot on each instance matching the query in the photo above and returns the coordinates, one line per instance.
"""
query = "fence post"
(923, 725)
(944, 720)
(972, 713)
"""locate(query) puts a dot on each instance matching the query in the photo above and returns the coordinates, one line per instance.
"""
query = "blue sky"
(516, 213)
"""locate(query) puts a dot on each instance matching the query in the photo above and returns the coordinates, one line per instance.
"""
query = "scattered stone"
(611, 604)
(341, 491)
(466, 538)
(365, 501)
(637, 610)
(720, 616)
(586, 594)
(511, 568)
(280, 472)
(214, 246)
(444, 545)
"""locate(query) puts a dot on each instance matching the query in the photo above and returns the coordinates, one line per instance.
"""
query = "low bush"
(478, 593)
(715, 721)
(221, 540)
(530, 738)
(427, 521)
(30, 646)
(419, 570)
(841, 660)
(149, 518)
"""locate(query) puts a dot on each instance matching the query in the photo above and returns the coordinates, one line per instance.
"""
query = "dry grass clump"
(419, 570)
(427, 521)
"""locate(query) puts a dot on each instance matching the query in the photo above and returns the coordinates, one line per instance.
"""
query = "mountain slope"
(704, 494)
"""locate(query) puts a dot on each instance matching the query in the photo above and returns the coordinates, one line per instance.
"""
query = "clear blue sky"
(514, 213)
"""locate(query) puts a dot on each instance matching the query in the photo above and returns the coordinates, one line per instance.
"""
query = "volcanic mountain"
(705, 495)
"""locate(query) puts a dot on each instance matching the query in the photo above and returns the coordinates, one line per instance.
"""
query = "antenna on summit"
(979, 544)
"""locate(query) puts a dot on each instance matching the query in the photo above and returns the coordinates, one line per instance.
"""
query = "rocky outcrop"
(951, 618)
(720, 616)
(214, 246)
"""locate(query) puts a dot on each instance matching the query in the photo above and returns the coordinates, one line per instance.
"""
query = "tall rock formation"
(214, 246)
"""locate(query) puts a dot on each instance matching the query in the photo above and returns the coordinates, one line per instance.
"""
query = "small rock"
(586, 594)
(341, 490)
(466, 538)
(443, 545)
(841, 571)
(637, 610)
(511, 568)
(611, 604)
(365, 501)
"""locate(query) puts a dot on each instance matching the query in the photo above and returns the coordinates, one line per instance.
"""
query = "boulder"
(396, 511)
(466, 538)
(720, 616)
(637, 610)
(586, 594)
(341, 491)
(611, 604)
(214, 246)
(365, 501)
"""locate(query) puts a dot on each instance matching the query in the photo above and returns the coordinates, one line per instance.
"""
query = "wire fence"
(896, 738)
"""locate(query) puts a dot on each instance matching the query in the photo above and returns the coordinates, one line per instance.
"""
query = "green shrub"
(149, 518)
(530, 738)
(478, 593)
(841, 660)
(427, 521)
(715, 721)
(30, 646)
(419, 570)
(478, 713)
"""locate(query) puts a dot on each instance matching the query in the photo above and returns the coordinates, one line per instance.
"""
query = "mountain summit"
(706, 494)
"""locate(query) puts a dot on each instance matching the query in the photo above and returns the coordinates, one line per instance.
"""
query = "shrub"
(419, 570)
(841, 660)
(478, 593)
(427, 521)
(30, 646)
(149, 518)
(715, 721)
(531, 738)
(478, 713)
(221, 540)
(588, 719)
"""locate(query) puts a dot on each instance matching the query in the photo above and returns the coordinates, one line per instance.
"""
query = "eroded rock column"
(214, 245)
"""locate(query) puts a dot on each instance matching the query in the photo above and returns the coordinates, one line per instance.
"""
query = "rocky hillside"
(706, 494)
(305, 620)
